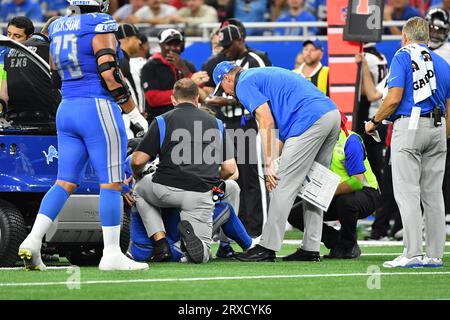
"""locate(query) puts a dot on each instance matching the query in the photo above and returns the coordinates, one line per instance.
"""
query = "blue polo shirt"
(294, 101)
(354, 156)
(401, 75)
(303, 16)
(407, 13)
(29, 9)
(55, 5)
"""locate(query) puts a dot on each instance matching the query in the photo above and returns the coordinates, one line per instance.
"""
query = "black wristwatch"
(374, 122)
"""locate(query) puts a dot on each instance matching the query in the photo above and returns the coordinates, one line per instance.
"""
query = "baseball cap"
(126, 30)
(168, 35)
(228, 34)
(315, 42)
(237, 23)
(222, 69)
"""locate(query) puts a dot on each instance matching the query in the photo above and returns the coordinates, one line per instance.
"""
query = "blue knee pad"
(233, 227)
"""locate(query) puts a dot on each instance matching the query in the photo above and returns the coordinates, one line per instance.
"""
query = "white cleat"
(118, 261)
(30, 253)
(404, 262)
(432, 262)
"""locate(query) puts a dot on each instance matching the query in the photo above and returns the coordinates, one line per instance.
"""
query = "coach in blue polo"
(294, 114)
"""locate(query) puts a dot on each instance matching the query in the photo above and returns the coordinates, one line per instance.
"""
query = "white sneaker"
(30, 253)
(404, 262)
(447, 230)
(432, 262)
(118, 261)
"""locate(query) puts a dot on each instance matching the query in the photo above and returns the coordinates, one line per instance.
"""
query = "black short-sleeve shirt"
(192, 150)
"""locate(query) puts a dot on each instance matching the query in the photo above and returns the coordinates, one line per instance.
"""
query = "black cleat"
(161, 251)
(340, 252)
(193, 245)
(257, 254)
(303, 255)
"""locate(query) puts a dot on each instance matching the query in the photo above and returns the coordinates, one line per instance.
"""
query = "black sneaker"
(193, 245)
(161, 251)
(352, 253)
(225, 252)
(257, 254)
(340, 252)
(303, 255)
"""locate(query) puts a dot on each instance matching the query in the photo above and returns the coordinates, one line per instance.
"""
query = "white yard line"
(294, 276)
(369, 243)
(48, 268)
(389, 254)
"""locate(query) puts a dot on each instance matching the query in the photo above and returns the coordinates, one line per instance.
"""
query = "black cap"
(237, 23)
(126, 30)
(228, 34)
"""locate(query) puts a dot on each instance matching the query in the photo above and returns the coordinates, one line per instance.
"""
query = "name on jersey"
(70, 24)
(419, 84)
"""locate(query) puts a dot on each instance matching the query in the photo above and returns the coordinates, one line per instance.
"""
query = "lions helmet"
(103, 5)
(438, 20)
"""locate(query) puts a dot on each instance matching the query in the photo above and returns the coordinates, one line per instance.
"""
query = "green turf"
(422, 286)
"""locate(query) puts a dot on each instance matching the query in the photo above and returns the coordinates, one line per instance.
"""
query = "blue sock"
(53, 201)
(110, 207)
(235, 230)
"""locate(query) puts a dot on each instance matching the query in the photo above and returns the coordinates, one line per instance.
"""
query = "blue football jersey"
(72, 53)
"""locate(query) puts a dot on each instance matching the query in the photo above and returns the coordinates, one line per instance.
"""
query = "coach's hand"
(370, 128)
(270, 175)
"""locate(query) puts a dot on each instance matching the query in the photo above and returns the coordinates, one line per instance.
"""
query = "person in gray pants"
(290, 110)
(418, 97)
(191, 145)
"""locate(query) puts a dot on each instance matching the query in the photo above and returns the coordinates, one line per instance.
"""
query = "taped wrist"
(355, 184)
(136, 118)
(122, 94)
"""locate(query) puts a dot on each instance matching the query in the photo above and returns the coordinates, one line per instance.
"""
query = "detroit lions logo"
(51, 154)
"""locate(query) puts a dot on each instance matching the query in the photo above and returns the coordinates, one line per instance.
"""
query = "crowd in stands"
(194, 12)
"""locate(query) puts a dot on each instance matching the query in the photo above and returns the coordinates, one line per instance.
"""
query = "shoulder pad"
(99, 23)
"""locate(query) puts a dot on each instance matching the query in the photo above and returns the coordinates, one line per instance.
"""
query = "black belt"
(425, 115)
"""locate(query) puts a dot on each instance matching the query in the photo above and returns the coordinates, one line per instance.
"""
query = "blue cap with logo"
(315, 42)
(222, 69)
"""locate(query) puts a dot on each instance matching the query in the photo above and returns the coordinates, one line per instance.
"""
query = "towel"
(423, 71)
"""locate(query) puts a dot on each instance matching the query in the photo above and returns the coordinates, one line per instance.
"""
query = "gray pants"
(196, 208)
(299, 154)
(418, 163)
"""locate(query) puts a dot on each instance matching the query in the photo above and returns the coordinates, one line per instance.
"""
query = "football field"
(364, 278)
